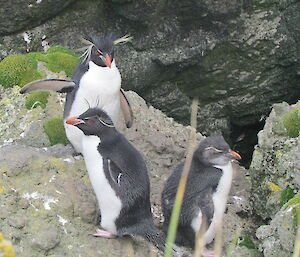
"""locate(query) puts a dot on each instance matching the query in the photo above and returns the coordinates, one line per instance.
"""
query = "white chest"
(99, 87)
(220, 200)
(109, 203)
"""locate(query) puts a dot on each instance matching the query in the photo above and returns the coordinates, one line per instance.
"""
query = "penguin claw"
(103, 233)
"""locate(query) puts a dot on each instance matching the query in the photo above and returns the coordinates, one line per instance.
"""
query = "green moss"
(18, 70)
(60, 49)
(58, 59)
(62, 61)
(35, 99)
(247, 242)
(286, 195)
(295, 204)
(55, 130)
(291, 121)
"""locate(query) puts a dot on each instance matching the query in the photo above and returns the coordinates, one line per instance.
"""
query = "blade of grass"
(233, 243)
(297, 239)
(218, 239)
(199, 241)
(181, 187)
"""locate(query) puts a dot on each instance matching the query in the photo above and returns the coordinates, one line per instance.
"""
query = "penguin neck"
(108, 137)
(226, 178)
(105, 70)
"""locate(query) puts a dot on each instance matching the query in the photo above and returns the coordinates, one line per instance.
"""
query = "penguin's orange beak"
(106, 60)
(234, 155)
(74, 121)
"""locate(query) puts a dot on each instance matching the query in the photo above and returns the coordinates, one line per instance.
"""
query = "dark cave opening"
(243, 140)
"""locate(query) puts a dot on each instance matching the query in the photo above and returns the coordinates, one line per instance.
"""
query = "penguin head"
(214, 150)
(102, 52)
(92, 122)
(100, 49)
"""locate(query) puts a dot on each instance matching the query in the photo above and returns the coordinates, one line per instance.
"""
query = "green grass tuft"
(18, 69)
(36, 99)
(57, 62)
(247, 242)
(286, 195)
(291, 121)
(60, 49)
(58, 59)
(55, 131)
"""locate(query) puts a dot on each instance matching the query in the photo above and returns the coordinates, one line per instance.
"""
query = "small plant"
(54, 128)
(286, 195)
(291, 121)
(18, 69)
(36, 99)
(6, 247)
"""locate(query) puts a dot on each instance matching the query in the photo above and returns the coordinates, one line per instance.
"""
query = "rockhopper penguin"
(206, 193)
(96, 81)
(119, 178)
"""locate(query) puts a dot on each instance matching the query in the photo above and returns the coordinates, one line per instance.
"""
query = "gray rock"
(47, 237)
(51, 190)
(238, 57)
(277, 239)
(19, 15)
(242, 251)
(274, 165)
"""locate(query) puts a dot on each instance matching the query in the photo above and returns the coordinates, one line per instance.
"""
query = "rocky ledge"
(48, 207)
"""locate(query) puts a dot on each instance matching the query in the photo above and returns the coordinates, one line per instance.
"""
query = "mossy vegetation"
(286, 195)
(247, 242)
(18, 69)
(36, 99)
(58, 59)
(295, 204)
(54, 128)
(291, 121)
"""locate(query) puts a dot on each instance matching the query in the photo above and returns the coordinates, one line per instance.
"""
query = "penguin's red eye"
(90, 122)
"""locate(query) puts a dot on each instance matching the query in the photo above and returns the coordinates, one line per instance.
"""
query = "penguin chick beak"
(233, 155)
(74, 121)
(106, 60)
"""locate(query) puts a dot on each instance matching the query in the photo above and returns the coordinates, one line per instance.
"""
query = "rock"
(48, 205)
(238, 57)
(17, 221)
(47, 237)
(245, 252)
(277, 239)
(274, 170)
(19, 15)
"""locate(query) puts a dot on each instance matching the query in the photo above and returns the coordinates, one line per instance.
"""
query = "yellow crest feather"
(123, 39)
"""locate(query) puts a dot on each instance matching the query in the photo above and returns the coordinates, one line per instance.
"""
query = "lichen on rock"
(275, 170)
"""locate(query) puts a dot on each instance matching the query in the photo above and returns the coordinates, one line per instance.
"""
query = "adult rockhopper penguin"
(96, 82)
(119, 178)
(207, 189)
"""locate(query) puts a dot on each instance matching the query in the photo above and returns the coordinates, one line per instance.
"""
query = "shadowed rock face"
(20, 15)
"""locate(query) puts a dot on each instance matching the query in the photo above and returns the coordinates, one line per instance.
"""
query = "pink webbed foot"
(103, 233)
(207, 253)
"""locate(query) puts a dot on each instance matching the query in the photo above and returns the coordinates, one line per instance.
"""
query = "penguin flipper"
(126, 109)
(57, 85)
